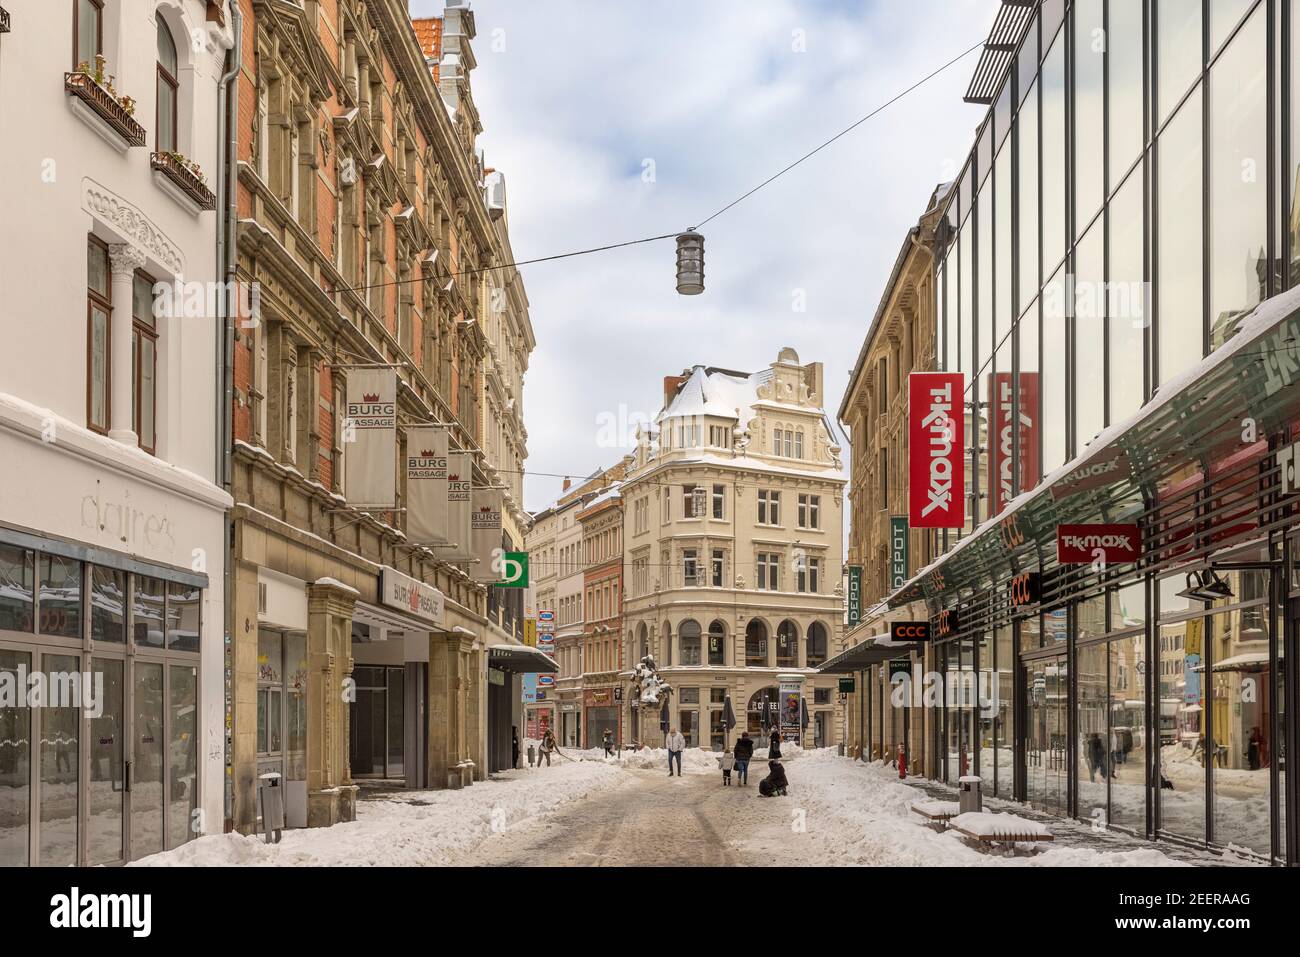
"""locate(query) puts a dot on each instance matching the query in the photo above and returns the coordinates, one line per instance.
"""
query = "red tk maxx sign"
(936, 443)
(1084, 544)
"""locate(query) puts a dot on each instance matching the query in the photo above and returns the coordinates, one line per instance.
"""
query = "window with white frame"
(810, 511)
(718, 496)
(809, 575)
(768, 568)
(718, 567)
(690, 567)
(769, 507)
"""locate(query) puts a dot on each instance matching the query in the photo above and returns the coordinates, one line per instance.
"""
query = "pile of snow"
(412, 828)
(937, 808)
(857, 814)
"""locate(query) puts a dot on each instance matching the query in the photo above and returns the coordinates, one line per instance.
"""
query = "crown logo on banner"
(486, 510)
(370, 397)
(453, 477)
(427, 454)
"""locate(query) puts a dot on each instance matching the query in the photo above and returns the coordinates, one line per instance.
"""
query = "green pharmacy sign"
(514, 570)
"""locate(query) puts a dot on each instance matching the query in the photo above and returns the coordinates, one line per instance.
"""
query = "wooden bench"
(937, 813)
(997, 830)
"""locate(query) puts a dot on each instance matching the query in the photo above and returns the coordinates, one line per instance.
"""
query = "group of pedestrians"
(737, 761)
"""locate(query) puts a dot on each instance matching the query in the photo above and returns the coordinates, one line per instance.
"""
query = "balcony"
(185, 177)
(105, 106)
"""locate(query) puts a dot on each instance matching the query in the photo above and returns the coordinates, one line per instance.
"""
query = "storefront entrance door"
(1046, 683)
(106, 836)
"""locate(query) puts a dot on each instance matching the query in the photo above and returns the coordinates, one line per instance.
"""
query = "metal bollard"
(272, 799)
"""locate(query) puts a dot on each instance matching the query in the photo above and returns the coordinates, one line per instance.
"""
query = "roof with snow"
(717, 392)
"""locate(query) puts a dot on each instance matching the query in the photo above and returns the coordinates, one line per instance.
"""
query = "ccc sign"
(1023, 589)
(945, 623)
(909, 631)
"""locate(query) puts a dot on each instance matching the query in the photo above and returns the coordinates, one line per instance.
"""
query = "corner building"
(733, 551)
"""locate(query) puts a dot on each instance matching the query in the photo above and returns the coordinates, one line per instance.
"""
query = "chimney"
(672, 383)
(568, 484)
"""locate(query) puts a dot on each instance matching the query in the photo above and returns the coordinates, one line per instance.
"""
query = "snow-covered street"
(589, 810)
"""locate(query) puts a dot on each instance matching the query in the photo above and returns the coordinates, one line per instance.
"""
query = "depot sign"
(905, 631)
(1084, 544)
(936, 440)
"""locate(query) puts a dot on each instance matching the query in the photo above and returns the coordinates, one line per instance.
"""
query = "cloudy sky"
(618, 120)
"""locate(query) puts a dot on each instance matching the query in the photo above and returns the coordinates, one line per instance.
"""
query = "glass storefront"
(102, 766)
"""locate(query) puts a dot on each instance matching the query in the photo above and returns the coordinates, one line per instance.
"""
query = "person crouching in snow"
(726, 762)
(775, 783)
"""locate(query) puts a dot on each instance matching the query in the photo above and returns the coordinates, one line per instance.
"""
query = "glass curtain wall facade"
(1131, 196)
(1107, 231)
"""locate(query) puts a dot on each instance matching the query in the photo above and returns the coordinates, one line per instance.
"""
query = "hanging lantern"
(690, 263)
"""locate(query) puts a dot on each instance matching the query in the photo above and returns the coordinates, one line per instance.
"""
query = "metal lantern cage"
(690, 263)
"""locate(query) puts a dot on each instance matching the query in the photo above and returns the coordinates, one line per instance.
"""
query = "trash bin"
(532, 755)
(970, 796)
(272, 800)
(841, 749)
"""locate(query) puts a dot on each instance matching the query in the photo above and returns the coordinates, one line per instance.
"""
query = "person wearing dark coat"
(744, 751)
(514, 746)
(775, 783)
(1096, 757)
(774, 744)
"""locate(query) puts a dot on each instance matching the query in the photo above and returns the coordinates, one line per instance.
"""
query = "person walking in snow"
(774, 744)
(676, 744)
(609, 743)
(744, 751)
(514, 746)
(548, 745)
(727, 762)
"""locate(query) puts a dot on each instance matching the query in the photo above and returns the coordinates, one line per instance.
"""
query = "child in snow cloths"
(726, 762)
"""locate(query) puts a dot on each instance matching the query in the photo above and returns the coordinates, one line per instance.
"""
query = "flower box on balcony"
(106, 106)
(184, 177)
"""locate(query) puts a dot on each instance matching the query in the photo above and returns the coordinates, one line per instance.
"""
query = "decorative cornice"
(132, 224)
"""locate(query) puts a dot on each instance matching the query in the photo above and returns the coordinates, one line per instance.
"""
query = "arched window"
(666, 644)
(787, 644)
(88, 27)
(644, 642)
(717, 643)
(755, 644)
(167, 90)
(816, 644)
(688, 636)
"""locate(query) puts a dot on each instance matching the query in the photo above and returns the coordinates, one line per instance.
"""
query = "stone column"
(330, 795)
(449, 678)
(125, 259)
(801, 649)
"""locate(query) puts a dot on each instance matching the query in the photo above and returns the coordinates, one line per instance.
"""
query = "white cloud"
(715, 95)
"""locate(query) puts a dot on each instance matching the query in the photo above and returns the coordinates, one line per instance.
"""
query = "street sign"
(847, 685)
(530, 632)
(906, 631)
(1083, 544)
(936, 442)
(898, 547)
(855, 595)
(514, 570)
(546, 616)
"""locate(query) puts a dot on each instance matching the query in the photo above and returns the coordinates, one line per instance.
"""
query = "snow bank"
(857, 814)
(412, 828)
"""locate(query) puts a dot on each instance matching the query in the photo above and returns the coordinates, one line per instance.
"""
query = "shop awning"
(520, 660)
(1190, 433)
(868, 652)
